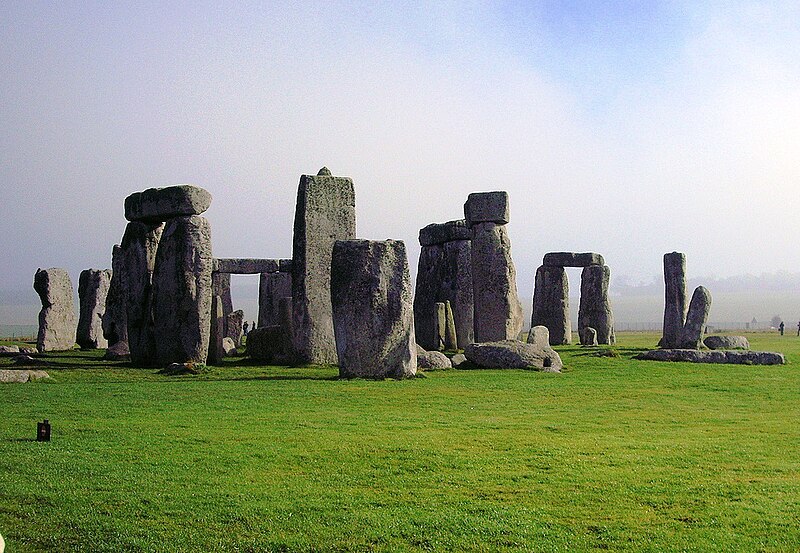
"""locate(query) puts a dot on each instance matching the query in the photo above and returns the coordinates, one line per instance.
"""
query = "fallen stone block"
(727, 342)
(513, 354)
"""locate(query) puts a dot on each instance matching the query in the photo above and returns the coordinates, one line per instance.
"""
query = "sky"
(627, 128)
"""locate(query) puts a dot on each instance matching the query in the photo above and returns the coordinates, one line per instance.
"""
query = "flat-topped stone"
(486, 207)
(727, 342)
(733, 357)
(439, 233)
(572, 259)
(249, 266)
(156, 205)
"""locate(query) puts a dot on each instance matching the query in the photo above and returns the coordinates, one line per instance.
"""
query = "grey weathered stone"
(674, 298)
(21, 376)
(486, 207)
(93, 288)
(727, 342)
(450, 336)
(115, 316)
(444, 273)
(513, 354)
(234, 324)
(595, 309)
(57, 324)
(497, 311)
(228, 346)
(221, 286)
(139, 246)
(539, 336)
(372, 311)
(325, 213)
(431, 360)
(182, 291)
(156, 205)
(551, 304)
(571, 259)
(271, 288)
(588, 336)
(458, 359)
(118, 352)
(439, 324)
(439, 233)
(733, 357)
(247, 266)
(696, 318)
(216, 351)
(6, 351)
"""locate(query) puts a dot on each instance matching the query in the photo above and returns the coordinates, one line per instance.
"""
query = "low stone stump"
(229, 347)
(431, 360)
(727, 342)
(373, 316)
(716, 356)
(588, 336)
(270, 344)
(118, 352)
(513, 354)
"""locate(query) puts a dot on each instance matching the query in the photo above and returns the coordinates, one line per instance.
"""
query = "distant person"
(798, 328)
(245, 327)
(781, 327)
(254, 325)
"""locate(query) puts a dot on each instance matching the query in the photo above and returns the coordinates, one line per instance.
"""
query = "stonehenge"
(57, 324)
(93, 288)
(682, 329)
(551, 298)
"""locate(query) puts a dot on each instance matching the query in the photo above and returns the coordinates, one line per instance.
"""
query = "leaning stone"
(727, 342)
(486, 207)
(696, 318)
(674, 298)
(595, 309)
(115, 318)
(118, 352)
(439, 233)
(57, 324)
(6, 351)
(588, 336)
(325, 213)
(570, 259)
(182, 291)
(229, 347)
(156, 205)
(431, 360)
(714, 356)
(497, 311)
(93, 288)
(513, 354)
(272, 287)
(551, 304)
(370, 282)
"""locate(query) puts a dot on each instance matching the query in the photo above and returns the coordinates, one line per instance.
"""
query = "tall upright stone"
(234, 326)
(692, 333)
(497, 311)
(139, 247)
(372, 309)
(221, 285)
(551, 303)
(595, 309)
(57, 324)
(325, 213)
(439, 324)
(115, 319)
(444, 273)
(674, 298)
(272, 287)
(93, 288)
(216, 351)
(182, 291)
(450, 334)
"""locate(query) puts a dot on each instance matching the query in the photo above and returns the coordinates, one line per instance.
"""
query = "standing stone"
(588, 336)
(450, 335)
(115, 319)
(372, 310)
(551, 304)
(216, 350)
(696, 318)
(595, 309)
(272, 287)
(498, 313)
(539, 336)
(234, 323)
(325, 213)
(439, 324)
(221, 285)
(674, 298)
(139, 246)
(57, 323)
(93, 288)
(182, 291)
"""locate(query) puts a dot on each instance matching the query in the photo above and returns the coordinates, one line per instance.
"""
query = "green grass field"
(613, 454)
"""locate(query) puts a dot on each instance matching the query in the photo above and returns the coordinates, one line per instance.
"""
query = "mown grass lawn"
(613, 454)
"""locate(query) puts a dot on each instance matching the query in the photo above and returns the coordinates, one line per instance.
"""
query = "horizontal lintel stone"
(570, 259)
(244, 266)
(439, 233)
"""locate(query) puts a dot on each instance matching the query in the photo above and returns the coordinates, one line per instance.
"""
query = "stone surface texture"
(156, 205)
(21, 376)
(588, 336)
(497, 310)
(674, 298)
(733, 357)
(115, 318)
(595, 309)
(57, 323)
(696, 318)
(246, 266)
(325, 213)
(118, 352)
(372, 309)
(539, 336)
(93, 285)
(513, 354)
(439, 324)
(228, 346)
(217, 332)
(431, 360)
(440, 233)
(182, 291)
(450, 335)
(234, 325)
(272, 287)
(551, 304)
(727, 342)
(571, 259)
(486, 207)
